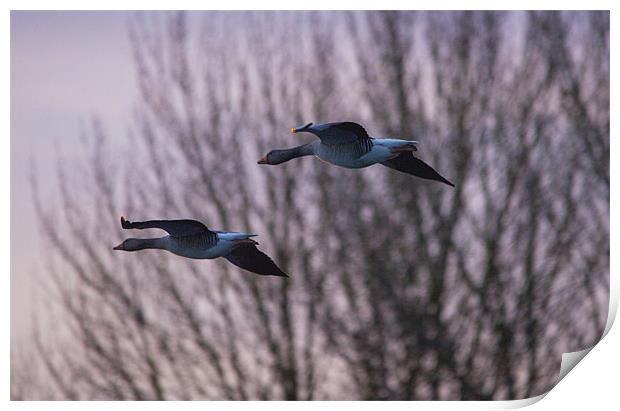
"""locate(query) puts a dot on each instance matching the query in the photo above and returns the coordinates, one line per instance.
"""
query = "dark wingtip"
(280, 273)
(125, 223)
(444, 180)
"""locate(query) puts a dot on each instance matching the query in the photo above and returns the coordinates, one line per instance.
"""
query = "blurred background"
(400, 288)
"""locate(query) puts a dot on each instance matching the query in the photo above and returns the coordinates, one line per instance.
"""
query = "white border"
(309, 5)
(595, 382)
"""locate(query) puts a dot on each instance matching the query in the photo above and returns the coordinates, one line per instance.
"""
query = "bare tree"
(486, 298)
(399, 289)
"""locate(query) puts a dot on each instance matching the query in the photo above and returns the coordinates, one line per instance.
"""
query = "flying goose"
(347, 144)
(192, 239)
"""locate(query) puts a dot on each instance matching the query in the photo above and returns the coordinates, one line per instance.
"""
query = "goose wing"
(250, 258)
(345, 132)
(409, 164)
(176, 228)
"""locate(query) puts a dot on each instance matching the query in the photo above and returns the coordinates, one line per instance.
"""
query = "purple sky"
(65, 68)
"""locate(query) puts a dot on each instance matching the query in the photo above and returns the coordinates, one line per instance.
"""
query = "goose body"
(202, 246)
(380, 150)
(192, 239)
(347, 144)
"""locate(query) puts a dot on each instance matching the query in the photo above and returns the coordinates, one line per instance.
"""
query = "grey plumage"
(201, 240)
(347, 144)
(345, 132)
(354, 149)
(192, 239)
(172, 227)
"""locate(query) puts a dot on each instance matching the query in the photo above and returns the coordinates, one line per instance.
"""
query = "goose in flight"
(347, 144)
(192, 239)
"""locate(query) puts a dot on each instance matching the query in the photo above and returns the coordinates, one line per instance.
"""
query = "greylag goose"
(347, 144)
(192, 239)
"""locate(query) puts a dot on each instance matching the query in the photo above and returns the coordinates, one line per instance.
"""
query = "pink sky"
(65, 67)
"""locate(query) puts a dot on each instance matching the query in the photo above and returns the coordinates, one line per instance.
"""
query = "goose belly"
(197, 249)
(378, 154)
(345, 159)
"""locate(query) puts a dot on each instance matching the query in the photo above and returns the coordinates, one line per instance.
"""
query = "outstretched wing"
(340, 133)
(176, 228)
(409, 164)
(250, 258)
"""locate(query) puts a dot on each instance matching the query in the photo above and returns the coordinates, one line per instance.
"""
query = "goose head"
(276, 157)
(133, 244)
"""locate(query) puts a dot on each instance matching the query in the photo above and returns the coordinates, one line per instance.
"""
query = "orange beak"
(263, 160)
(293, 130)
